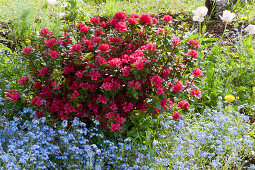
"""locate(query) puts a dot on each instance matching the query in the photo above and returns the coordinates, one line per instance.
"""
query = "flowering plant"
(200, 13)
(227, 16)
(105, 70)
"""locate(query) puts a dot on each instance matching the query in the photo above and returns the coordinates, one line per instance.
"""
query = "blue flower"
(252, 166)
(64, 124)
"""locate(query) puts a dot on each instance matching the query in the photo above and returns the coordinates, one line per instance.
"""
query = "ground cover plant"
(123, 91)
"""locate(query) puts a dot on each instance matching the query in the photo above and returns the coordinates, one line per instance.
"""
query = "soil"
(4, 34)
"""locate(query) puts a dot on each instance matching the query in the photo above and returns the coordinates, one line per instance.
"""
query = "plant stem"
(223, 33)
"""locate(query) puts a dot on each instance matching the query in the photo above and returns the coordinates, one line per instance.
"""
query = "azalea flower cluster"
(106, 69)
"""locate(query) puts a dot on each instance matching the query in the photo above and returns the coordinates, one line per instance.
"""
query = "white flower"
(62, 14)
(155, 142)
(64, 4)
(250, 28)
(199, 14)
(227, 16)
(52, 2)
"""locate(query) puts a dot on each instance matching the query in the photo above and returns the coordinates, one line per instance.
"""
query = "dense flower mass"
(210, 137)
(106, 71)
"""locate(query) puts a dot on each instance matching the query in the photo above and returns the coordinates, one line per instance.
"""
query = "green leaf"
(132, 132)
(241, 88)
(6, 48)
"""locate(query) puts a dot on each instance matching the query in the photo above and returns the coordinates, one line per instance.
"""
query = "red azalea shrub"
(105, 70)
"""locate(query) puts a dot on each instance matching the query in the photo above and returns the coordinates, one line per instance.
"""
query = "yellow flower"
(229, 98)
(237, 97)
(137, 113)
(144, 142)
(243, 18)
(27, 41)
(203, 51)
(251, 49)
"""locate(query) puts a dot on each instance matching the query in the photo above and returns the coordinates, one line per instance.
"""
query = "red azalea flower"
(43, 71)
(52, 53)
(157, 80)
(37, 101)
(195, 92)
(65, 40)
(37, 84)
(160, 31)
(193, 53)
(98, 32)
(15, 96)
(40, 114)
(115, 126)
(120, 15)
(51, 42)
(121, 26)
(127, 106)
(176, 40)
(76, 47)
(139, 64)
(146, 19)
(95, 20)
(160, 91)
(183, 104)
(23, 80)
(156, 110)
(176, 115)
(137, 85)
(177, 87)
(79, 74)
(27, 50)
(126, 71)
(74, 94)
(84, 29)
(119, 119)
(132, 21)
(197, 72)
(103, 24)
(103, 47)
(166, 71)
(149, 47)
(167, 18)
(102, 99)
(114, 62)
(94, 75)
(44, 31)
(154, 20)
(134, 16)
(193, 42)
(86, 42)
(107, 85)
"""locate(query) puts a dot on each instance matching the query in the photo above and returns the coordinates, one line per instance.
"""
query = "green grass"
(26, 17)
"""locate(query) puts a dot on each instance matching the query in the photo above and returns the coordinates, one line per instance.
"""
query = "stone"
(216, 7)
